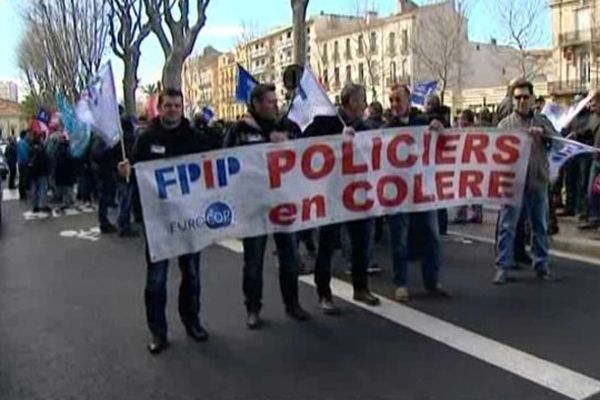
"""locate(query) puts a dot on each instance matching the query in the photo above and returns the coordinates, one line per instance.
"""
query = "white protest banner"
(193, 201)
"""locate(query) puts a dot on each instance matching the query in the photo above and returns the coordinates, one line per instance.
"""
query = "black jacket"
(38, 162)
(65, 172)
(156, 142)
(329, 125)
(250, 130)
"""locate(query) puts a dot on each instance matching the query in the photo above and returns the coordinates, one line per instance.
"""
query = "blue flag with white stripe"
(245, 83)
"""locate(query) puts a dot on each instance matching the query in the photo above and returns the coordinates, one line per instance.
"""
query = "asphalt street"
(72, 326)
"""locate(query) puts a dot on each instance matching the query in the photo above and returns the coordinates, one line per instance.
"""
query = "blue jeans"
(535, 202)
(155, 294)
(427, 223)
(594, 199)
(254, 255)
(125, 202)
(40, 191)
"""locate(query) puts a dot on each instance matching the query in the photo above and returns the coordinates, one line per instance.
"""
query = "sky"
(224, 23)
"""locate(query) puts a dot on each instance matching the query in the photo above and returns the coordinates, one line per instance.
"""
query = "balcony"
(576, 38)
(571, 87)
(389, 81)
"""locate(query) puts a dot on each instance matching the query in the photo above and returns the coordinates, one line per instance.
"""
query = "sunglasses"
(522, 97)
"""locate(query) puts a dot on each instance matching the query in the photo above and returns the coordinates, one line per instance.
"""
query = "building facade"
(200, 80)
(11, 119)
(9, 91)
(225, 105)
(576, 43)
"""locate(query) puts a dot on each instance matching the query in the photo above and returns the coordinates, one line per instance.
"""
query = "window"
(392, 43)
(289, 35)
(373, 42)
(336, 53)
(336, 77)
(393, 72)
(325, 56)
(404, 39)
(585, 68)
(326, 77)
(361, 73)
(361, 47)
(404, 72)
(348, 53)
(582, 19)
(348, 74)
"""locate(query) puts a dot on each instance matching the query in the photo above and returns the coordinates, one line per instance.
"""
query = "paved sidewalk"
(569, 239)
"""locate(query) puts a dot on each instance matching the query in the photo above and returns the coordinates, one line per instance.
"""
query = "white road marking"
(92, 234)
(12, 194)
(544, 373)
(556, 253)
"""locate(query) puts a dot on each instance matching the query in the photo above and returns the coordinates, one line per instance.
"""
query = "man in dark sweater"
(258, 126)
(353, 107)
(170, 135)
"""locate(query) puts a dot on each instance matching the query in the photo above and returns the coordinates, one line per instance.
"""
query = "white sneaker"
(401, 294)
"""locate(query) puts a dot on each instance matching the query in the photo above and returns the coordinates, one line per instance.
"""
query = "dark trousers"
(126, 190)
(442, 221)
(23, 181)
(155, 294)
(107, 192)
(359, 238)
(254, 255)
(571, 182)
(12, 175)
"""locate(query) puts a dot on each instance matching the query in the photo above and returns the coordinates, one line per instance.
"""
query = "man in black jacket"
(353, 100)
(170, 135)
(258, 126)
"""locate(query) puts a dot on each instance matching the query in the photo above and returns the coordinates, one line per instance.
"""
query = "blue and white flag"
(310, 101)
(561, 117)
(245, 83)
(420, 91)
(208, 113)
(43, 115)
(79, 132)
(98, 106)
(562, 151)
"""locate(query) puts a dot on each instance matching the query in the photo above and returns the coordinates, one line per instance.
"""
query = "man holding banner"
(258, 126)
(425, 222)
(170, 135)
(535, 198)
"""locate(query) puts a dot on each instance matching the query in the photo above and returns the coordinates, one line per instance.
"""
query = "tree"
(29, 106)
(520, 23)
(299, 30)
(180, 44)
(127, 32)
(70, 38)
(439, 42)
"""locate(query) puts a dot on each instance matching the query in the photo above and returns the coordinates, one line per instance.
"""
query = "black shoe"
(127, 233)
(253, 321)
(46, 209)
(35, 210)
(297, 313)
(523, 258)
(108, 229)
(157, 345)
(364, 296)
(545, 275)
(197, 332)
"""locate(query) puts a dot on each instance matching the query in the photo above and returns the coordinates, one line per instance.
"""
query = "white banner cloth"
(193, 201)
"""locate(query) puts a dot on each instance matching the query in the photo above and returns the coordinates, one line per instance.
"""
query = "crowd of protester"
(52, 180)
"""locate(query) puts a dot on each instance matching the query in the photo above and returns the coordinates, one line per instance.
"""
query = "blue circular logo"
(218, 215)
